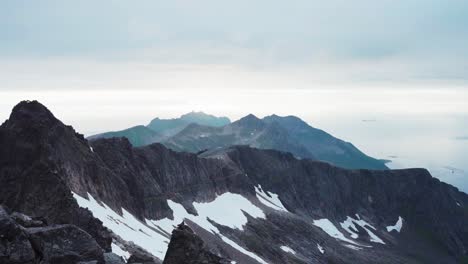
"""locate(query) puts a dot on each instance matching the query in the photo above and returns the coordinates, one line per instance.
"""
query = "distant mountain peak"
(201, 116)
(249, 118)
(288, 117)
(195, 113)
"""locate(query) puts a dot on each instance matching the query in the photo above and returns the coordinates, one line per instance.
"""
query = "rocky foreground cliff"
(246, 205)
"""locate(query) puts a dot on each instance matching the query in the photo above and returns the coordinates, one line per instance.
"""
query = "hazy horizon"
(110, 65)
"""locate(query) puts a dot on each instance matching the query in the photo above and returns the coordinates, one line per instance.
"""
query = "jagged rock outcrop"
(186, 247)
(41, 160)
(142, 259)
(20, 242)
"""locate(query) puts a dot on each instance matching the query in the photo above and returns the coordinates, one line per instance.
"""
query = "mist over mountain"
(170, 127)
(159, 130)
(237, 203)
(195, 132)
(137, 135)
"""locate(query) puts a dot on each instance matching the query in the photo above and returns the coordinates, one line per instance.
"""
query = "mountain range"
(196, 131)
(66, 199)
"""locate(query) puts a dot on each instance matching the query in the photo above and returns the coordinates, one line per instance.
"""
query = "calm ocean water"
(439, 144)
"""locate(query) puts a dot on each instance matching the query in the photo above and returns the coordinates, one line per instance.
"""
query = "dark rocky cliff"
(42, 161)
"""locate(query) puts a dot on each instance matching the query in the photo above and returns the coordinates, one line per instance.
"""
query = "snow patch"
(328, 227)
(320, 248)
(126, 226)
(349, 226)
(353, 247)
(458, 204)
(269, 199)
(288, 249)
(241, 249)
(119, 251)
(91, 148)
(397, 226)
(226, 210)
(154, 235)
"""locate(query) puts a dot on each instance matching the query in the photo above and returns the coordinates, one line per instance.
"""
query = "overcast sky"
(127, 61)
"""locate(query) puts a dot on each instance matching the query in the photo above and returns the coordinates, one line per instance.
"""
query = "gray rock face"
(45, 244)
(142, 259)
(41, 160)
(187, 247)
(65, 244)
(111, 258)
(15, 246)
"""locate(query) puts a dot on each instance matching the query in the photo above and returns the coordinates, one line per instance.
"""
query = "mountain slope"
(169, 127)
(137, 135)
(160, 129)
(247, 131)
(247, 205)
(324, 146)
(289, 134)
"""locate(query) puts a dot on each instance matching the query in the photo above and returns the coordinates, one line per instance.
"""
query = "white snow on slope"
(397, 226)
(349, 226)
(458, 204)
(328, 227)
(269, 199)
(288, 249)
(241, 249)
(320, 248)
(126, 226)
(353, 247)
(225, 210)
(120, 252)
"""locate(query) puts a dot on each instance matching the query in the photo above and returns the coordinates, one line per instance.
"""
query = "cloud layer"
(337, 40)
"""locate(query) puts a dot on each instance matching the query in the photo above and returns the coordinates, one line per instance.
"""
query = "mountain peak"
(250, 117)
(194, 113)
(250, 121)
(31, 111)
(202, 117)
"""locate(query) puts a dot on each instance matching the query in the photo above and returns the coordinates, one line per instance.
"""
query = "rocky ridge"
(286, 210)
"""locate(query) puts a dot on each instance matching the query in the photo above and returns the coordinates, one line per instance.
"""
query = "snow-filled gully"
(226, 210)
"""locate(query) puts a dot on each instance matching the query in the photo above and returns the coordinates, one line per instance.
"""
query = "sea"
(437, 143)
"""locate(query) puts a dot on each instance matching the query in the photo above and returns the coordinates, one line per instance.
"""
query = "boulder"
(65, 244)
(186, 247)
